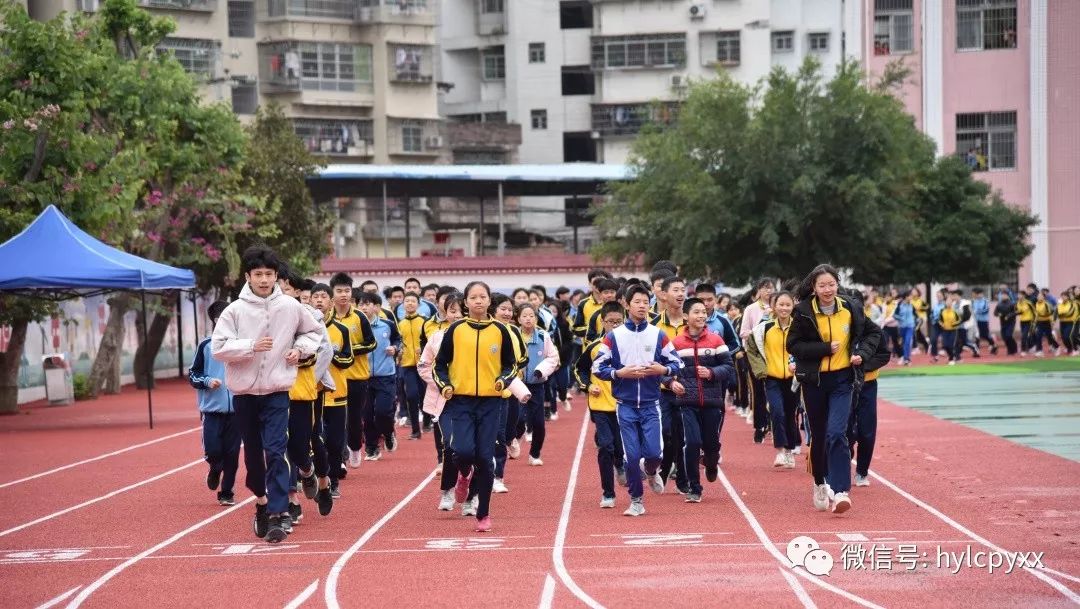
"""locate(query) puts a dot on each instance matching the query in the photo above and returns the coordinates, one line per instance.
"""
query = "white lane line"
(800, 592)
(101, 581)
(56, 601)
(1053, 583)
(303, 596)
(98, 458)
(564, 521)
(780, 557)
(108, 495)
(335, 571)
(1060, 574)
(547, 595)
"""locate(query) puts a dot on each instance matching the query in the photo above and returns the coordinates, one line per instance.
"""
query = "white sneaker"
(528, 436)
(656, 483)
(607, 502)
(498, 486)
(555, 416)
(780, 461)
(637, 508)
(355, 458)
(789, 460)
(749, 416)
(514, 450)
(469, 507)
(535, 461)
(797, 451)
(821, 497)
(861, 480)
(446, 502)
(1038, 354)
(840, 503)
(952, 362)
(568, 405)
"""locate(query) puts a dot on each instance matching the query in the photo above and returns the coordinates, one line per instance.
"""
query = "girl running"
(543, 360)
(769, 360)
(474, 365)
(434, 402)
(829, 337)
(503, 311)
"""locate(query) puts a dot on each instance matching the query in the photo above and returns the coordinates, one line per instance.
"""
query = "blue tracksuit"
(220, 433)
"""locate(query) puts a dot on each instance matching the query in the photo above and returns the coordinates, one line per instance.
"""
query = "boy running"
(221, 436)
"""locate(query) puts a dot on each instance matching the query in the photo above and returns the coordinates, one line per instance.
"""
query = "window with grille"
(491, 6)
(649, 51)
(987, 140)
(334, 137)
(783, 42)
(245, 98)
(539, 119)
(411, 63)
(412, 136)
(199, 57)
(819, 42)
(536, 52)
(728, 48)
(494, 60)
(326, 66)
(241, 18)
(985, 24)
(894, 27)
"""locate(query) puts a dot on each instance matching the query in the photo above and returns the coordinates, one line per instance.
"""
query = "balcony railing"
(628, 119)
(414, 12)
(354, 138)
(423, 137)
(289, 67)
(315, 9)
(181, 5)
(410, 64)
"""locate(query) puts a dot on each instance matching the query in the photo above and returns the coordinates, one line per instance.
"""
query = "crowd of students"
(315, 378)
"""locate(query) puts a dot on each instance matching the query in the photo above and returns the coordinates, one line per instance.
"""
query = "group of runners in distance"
(315, 378)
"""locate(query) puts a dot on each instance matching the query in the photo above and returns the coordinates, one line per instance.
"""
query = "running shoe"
(711, 472)
(637, 508)
(536, 461)
(483, 525)
(693, 498)
(275, 531)
(607, 502)
(310, 485)
(620, 475)
(840, 503)
(296, 513)
(461, 489)
(514, 450)
(861, 480)
(789, 460)
(780, 461)
(325, 499)
(821, 497)
(469, 507)
(656, 483)
(355, 458)
(262, 521)
(213, 478)
(391, 442)
(225, 498)
(499, 487)
(446, 501)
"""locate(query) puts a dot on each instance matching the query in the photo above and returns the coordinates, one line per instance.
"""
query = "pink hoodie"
(433, 400)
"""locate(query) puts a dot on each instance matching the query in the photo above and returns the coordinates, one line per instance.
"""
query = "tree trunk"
(9, 368)
(106, 369)
(147, 352)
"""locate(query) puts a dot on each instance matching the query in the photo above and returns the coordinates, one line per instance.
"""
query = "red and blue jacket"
(710, 351)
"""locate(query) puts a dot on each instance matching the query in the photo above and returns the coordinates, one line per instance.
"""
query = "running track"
(103, 512)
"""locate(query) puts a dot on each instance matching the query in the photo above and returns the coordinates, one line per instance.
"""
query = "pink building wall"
(911, 92)
(1063, 154)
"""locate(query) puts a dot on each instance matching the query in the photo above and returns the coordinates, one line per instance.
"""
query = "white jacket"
(249, 318)
(325, 353)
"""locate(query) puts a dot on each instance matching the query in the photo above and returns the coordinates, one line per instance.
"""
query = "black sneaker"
(711, 472)
(426, 428)
(224, 498)
(310, 484)
(414, 436)
(262, 521)
(275, 531)
(213, 479)
(343, 472)
(391, 442)
(759, 436)
(325, 499)
(287, 523)
(296, 513)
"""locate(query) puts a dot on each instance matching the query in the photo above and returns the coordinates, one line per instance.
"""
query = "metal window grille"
(241, 18)
(539, 119)
(783, 42)
(245, 98)
(536, 52)
(412, 136)
(494, 60)
(987, 140)
(728, 49)
(894, 27)
(657, 50)
(819, 42)
(198, 56)
(334, 137)
(985, 24)
(326, 66)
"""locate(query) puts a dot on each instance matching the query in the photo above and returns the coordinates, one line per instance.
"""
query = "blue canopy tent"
(53, 258)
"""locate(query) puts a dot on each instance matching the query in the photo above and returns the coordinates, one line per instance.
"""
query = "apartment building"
(998, 83)
(355, 76)
(580, 79)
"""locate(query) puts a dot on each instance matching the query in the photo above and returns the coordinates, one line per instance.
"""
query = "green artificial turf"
(971, 367)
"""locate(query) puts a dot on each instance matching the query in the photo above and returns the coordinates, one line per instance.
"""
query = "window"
(335, 137)
(241, 19)
(412, 136)
(539, 119)
(491, 6)
(577, 211)
(894, 22)
(575, 14)
(411, 64)
(325, 66)
(987, 140)
(199, 57)
(579, 147)
(494, 60)
(651, 51)
(245, 97)
(578, 80)
(727, 48)
(327, 9)
(783, 42)
(494, 117)
(536, 52)
(985, 24)
(819, 42)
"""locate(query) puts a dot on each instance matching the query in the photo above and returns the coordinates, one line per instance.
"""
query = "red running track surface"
(103, 512)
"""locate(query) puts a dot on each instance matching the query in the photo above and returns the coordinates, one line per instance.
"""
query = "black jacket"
(1006, 311)
(804, 341)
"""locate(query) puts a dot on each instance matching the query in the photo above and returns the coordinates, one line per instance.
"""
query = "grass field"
(1058, 364)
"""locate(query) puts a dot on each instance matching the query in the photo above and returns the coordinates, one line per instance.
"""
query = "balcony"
(336, 138)
(491, 17)
(610, 120)
(405, 12)
(323, 73)
(447, 212)
(414, 137)
(344, 10)
(201, 6)
(639, 51)
(410, 64)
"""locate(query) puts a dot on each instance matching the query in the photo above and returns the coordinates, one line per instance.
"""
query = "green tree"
(772, 179)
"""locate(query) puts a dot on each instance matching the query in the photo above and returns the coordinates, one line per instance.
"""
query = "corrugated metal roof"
(566, 172)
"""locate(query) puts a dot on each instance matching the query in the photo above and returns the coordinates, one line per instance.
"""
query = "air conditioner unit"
(697, 10)
(435, 142)
(678, 81)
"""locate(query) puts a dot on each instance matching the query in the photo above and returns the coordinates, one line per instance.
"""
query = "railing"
(181, 5)
(628, 119)
(336, 137)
